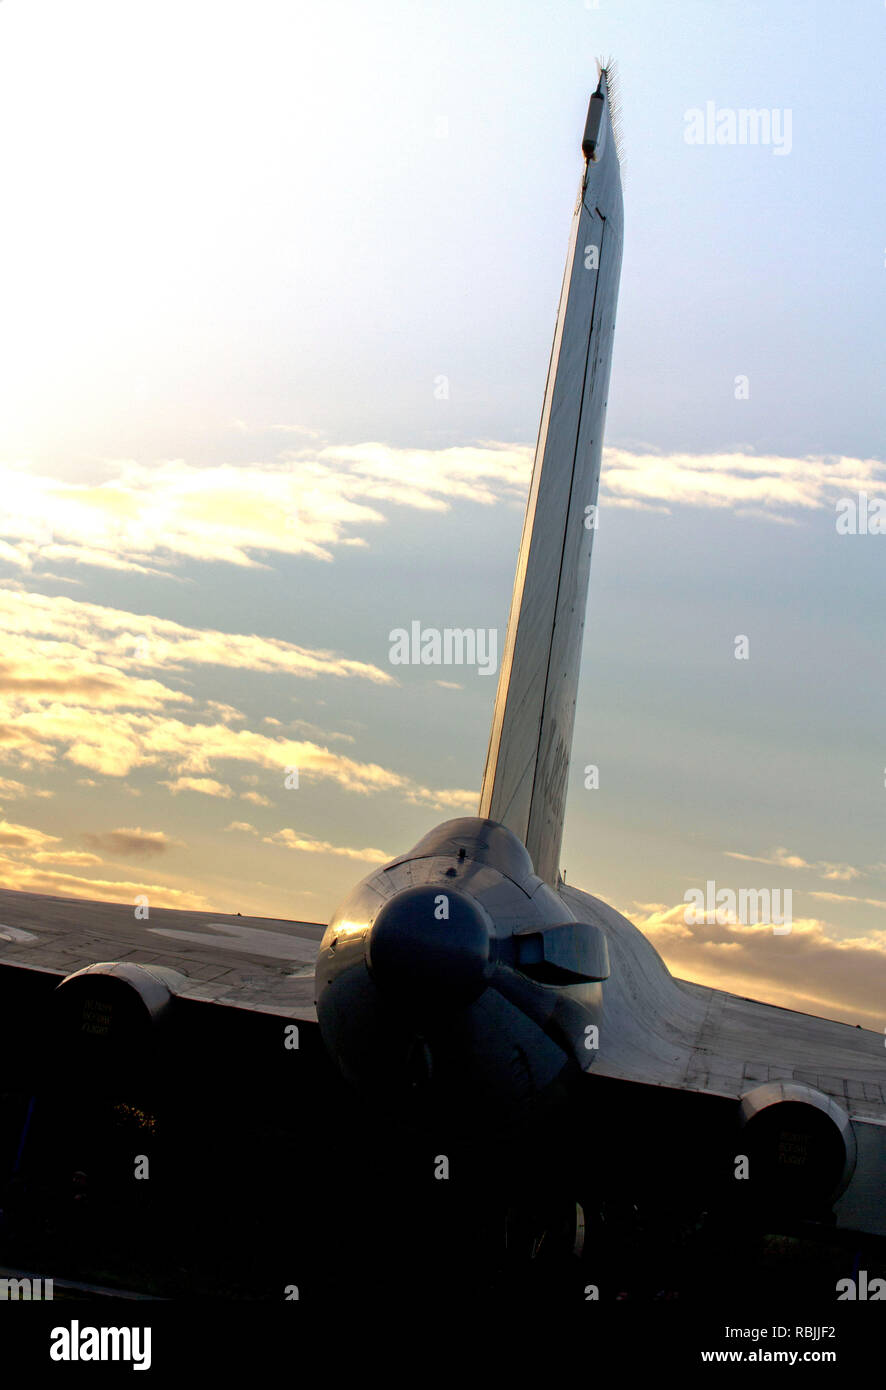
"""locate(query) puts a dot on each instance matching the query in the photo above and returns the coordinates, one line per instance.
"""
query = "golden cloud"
(306, 844)
(782, 859)
(125, 842)
(11, 788)
(75, 857)
(207, 785)
(24, 837)
(53, 640)
(124, 740)
(26, 878)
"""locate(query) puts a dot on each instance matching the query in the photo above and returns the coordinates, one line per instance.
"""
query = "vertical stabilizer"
(524, 784)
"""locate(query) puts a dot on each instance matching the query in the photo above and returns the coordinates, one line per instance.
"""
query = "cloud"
(429, 479)
(782, 859)
(123, 740)
(304, 726)
(807, 969)
(226, 713)
(33, 871)
(74, 857)
(9, 787)
(24, 837)
(26, 878)
(146, 519)
(452, 798)
(85, 651)
(242, 825)
(63, 660)
(842, 872)
(779, 856)
(30, 677)
(764, 483)
(100, 559)
(207, 785)
(121, 843)
(306, 844)
(847, 898)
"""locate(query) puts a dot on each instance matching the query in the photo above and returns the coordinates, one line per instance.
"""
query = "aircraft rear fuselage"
(455, 983)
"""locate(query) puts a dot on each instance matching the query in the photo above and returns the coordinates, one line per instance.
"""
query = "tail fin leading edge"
(527, 765)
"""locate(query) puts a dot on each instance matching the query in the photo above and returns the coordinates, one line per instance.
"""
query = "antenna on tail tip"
(595, 126)
(594, 141)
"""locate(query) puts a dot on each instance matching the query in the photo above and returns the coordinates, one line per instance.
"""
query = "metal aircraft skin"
(463, 984)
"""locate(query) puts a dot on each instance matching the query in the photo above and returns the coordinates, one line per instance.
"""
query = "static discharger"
(594, 140)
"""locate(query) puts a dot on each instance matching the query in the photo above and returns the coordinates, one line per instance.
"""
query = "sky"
(278, 289)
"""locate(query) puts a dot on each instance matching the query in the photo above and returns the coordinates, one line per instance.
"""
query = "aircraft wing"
(663, 1032)
(254, 963)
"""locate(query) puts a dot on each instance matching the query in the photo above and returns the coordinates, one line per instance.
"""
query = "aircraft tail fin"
(527, 765)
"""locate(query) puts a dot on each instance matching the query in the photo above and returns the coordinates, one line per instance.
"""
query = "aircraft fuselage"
(454, 982)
